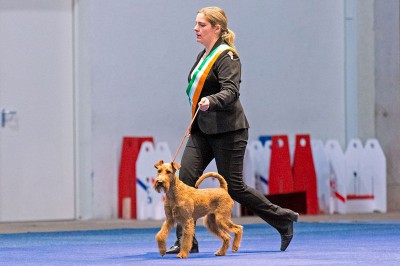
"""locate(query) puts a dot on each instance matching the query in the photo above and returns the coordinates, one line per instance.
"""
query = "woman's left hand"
(204, 104)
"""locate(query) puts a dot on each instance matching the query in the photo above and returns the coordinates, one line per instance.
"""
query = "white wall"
(133, 61)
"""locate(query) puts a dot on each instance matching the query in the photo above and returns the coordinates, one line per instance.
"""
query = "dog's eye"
(168, 172)
(159, 171)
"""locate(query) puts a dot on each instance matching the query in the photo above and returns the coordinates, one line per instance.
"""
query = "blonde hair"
(216, 16)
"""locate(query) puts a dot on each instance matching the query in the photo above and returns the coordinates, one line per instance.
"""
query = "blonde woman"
(220, 129)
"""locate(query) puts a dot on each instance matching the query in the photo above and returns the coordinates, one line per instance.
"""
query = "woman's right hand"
(204, 104)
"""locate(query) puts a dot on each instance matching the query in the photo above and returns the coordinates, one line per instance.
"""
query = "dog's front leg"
(187, 238)
(162, 236)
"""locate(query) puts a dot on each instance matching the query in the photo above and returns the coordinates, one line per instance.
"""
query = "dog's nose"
(159, 182)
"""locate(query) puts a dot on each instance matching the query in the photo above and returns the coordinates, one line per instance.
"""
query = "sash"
(200, 74)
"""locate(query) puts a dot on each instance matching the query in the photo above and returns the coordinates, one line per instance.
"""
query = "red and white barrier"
(127, 176)
(333, 181)
(358, 177)
(162, 152)
(150, 203)
(337, 181)
(322, 169)
(260, 156)
(304, 175)
(366, 173)
(280, 172)
(374, 168)
(360, 196)
(145, 174)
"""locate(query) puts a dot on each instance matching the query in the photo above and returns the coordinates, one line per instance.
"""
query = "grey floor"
(76, 225)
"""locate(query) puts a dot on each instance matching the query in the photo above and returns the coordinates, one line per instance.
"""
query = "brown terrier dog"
(184, 205)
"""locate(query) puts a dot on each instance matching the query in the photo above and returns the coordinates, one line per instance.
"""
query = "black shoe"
(286, 237)
(176, 248)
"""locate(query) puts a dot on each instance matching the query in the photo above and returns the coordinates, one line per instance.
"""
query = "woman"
(220, 129)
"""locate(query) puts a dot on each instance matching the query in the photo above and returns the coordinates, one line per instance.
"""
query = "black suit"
(221, 132)
(222, 89)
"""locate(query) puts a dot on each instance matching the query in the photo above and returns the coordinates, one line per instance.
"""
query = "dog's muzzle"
(159, 185)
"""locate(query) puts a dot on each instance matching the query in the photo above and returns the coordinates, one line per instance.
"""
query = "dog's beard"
(161, 186)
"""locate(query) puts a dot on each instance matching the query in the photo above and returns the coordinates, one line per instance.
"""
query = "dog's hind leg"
(187, 238)
(212, 224)
(237, 230)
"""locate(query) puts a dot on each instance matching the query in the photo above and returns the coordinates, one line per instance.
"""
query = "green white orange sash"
(200, 74)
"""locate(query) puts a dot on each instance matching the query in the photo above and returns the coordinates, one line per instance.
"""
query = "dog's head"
(165, 175)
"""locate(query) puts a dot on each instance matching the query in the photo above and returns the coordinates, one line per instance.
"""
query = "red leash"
(186, 134)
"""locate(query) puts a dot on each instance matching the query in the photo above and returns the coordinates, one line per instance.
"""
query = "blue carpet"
(313, 244)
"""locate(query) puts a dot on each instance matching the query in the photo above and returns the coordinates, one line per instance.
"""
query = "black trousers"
(228, 150)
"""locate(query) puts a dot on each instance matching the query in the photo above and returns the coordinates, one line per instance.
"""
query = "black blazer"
(221, 87)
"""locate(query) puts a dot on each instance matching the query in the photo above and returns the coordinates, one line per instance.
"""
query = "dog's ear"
(158, 164)
(175, 165)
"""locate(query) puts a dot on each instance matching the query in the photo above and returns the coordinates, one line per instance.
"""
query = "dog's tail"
(222, 182)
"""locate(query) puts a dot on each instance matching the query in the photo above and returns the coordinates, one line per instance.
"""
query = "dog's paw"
(182, 255)
(162, 251)
(220, 253)
(235, 248)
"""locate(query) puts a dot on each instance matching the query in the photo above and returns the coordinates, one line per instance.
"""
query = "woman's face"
(205, 33)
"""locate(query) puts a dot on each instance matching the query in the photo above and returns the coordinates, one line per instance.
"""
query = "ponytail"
(229, 37)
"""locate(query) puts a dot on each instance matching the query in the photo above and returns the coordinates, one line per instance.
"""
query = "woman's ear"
(217, 29)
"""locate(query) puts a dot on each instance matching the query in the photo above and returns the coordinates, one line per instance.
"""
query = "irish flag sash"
(200, 74)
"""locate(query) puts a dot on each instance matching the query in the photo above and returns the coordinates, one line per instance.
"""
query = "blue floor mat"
(313, 244)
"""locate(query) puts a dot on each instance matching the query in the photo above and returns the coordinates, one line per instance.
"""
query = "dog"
(184, 205)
